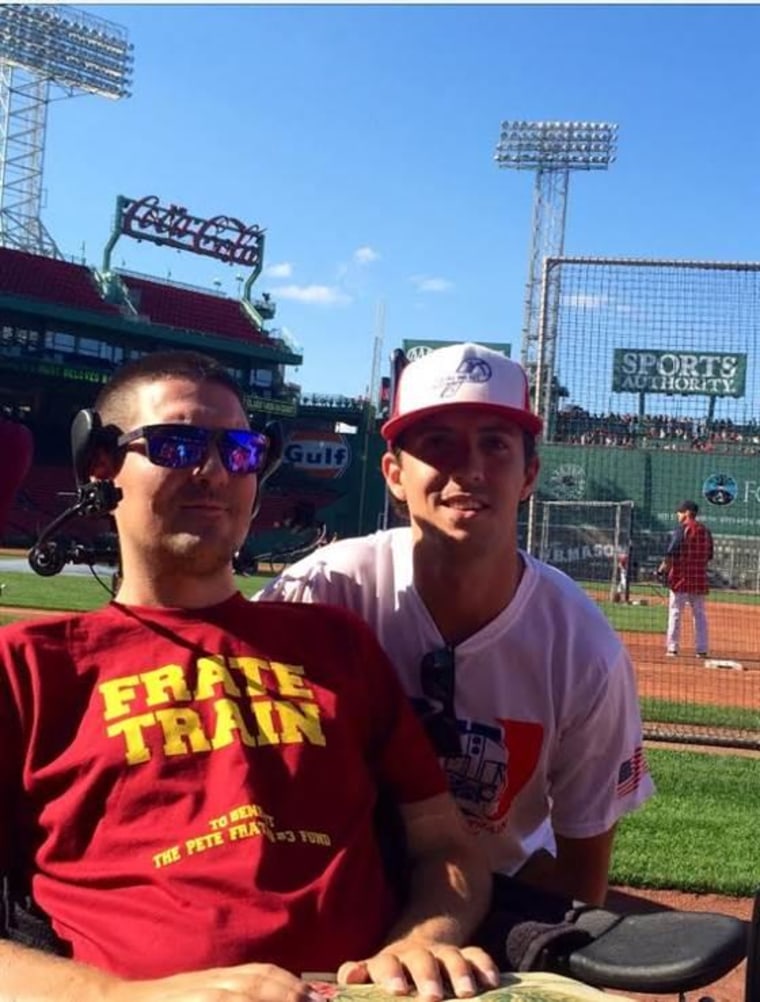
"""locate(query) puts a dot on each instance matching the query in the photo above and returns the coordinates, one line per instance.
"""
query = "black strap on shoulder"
(21, 921)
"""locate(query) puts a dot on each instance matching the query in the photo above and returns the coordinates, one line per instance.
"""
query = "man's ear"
(390, 465)
(531, 478)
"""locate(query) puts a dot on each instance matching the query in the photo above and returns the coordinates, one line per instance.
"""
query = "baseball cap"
(691, 506)
(461, 375)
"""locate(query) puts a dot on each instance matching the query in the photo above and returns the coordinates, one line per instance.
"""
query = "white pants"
(679, 599)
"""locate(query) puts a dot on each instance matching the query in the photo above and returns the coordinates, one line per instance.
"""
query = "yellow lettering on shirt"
(117, 694)
(229, 722)
(247, 700)
(299, 721)
(182, 730)
(165, 685)
(211, 673)
(132, 728)
(290, 680)
(263, 712)
(252, 669)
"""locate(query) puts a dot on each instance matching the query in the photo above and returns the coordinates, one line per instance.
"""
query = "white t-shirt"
(545, 697)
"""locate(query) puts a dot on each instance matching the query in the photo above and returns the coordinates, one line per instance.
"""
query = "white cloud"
(323, 295)
(282, 270)
(424, 283)
(365, 255)
(581, 301)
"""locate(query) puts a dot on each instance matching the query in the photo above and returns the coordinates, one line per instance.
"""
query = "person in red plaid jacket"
(685, 563)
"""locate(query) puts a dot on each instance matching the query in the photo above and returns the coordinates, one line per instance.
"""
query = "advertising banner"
(688, 373)
(416, 348)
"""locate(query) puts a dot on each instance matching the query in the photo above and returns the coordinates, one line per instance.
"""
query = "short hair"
(688, 506)
(114, 401)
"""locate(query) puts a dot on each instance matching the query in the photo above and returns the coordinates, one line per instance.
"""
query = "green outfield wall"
(726, 487)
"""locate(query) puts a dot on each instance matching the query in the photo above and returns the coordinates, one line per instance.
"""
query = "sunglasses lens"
(243, 451)
(437, 677)
(176, 449)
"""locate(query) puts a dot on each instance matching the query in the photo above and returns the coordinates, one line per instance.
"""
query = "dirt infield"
(687, 679)
(734, 636)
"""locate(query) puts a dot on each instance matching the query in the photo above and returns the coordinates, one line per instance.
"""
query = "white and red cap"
(461, 375)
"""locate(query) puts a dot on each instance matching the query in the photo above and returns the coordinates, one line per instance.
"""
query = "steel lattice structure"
(43, 47)
(551, 150)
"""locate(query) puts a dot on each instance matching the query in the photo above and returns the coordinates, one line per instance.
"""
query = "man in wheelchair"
(188, 784)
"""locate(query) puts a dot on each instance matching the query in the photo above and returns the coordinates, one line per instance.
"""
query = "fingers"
(352, 973)
(434, 972)
(484, 967)
(468, 970)
(244, 983)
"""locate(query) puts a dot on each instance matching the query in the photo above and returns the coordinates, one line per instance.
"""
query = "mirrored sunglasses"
(184, 446)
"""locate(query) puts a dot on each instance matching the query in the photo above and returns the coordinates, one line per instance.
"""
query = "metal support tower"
(551, 150)
(43, 46)
(23, 118)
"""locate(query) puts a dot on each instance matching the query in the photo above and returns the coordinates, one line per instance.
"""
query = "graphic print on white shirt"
(545, 695)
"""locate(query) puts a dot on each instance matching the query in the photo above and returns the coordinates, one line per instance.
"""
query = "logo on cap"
(469, 370)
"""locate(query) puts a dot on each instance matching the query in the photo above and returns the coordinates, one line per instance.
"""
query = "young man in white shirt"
(524, 687)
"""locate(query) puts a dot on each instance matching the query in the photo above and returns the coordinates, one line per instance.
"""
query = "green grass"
(642, 618)
(662, 711)
(68, 591)
(735, 597)
(659, 593)
(699, 832)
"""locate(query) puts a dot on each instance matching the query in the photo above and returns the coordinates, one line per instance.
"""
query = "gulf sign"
(324, 454)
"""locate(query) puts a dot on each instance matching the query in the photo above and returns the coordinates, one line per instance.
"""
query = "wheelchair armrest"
(659, 952)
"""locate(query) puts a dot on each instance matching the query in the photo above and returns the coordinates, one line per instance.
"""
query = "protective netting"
(647, 378)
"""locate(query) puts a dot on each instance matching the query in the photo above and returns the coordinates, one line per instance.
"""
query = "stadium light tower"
(551, 150)
(42, 46)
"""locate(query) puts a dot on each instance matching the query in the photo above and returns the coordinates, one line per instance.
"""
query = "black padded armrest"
(660, 952)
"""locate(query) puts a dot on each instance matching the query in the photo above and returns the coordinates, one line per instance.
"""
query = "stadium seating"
(575, 426)
(189, 309)
(51, 280)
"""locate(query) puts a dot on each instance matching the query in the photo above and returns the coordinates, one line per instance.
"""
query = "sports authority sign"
(415, 348)
(690, 373)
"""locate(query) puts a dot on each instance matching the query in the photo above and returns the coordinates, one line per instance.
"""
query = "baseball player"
(685, 566)
(524, 687)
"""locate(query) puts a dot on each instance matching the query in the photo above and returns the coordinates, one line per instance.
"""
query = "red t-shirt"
(198, 786)
(690, 550)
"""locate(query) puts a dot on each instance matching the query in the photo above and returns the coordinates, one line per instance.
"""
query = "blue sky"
(362, 139)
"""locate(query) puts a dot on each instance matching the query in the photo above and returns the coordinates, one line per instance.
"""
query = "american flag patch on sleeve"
(631, 772)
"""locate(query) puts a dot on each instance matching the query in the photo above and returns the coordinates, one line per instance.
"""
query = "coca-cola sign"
(222, 237)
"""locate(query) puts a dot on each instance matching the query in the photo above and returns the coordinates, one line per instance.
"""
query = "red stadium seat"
(51, 280)
(188, 309)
